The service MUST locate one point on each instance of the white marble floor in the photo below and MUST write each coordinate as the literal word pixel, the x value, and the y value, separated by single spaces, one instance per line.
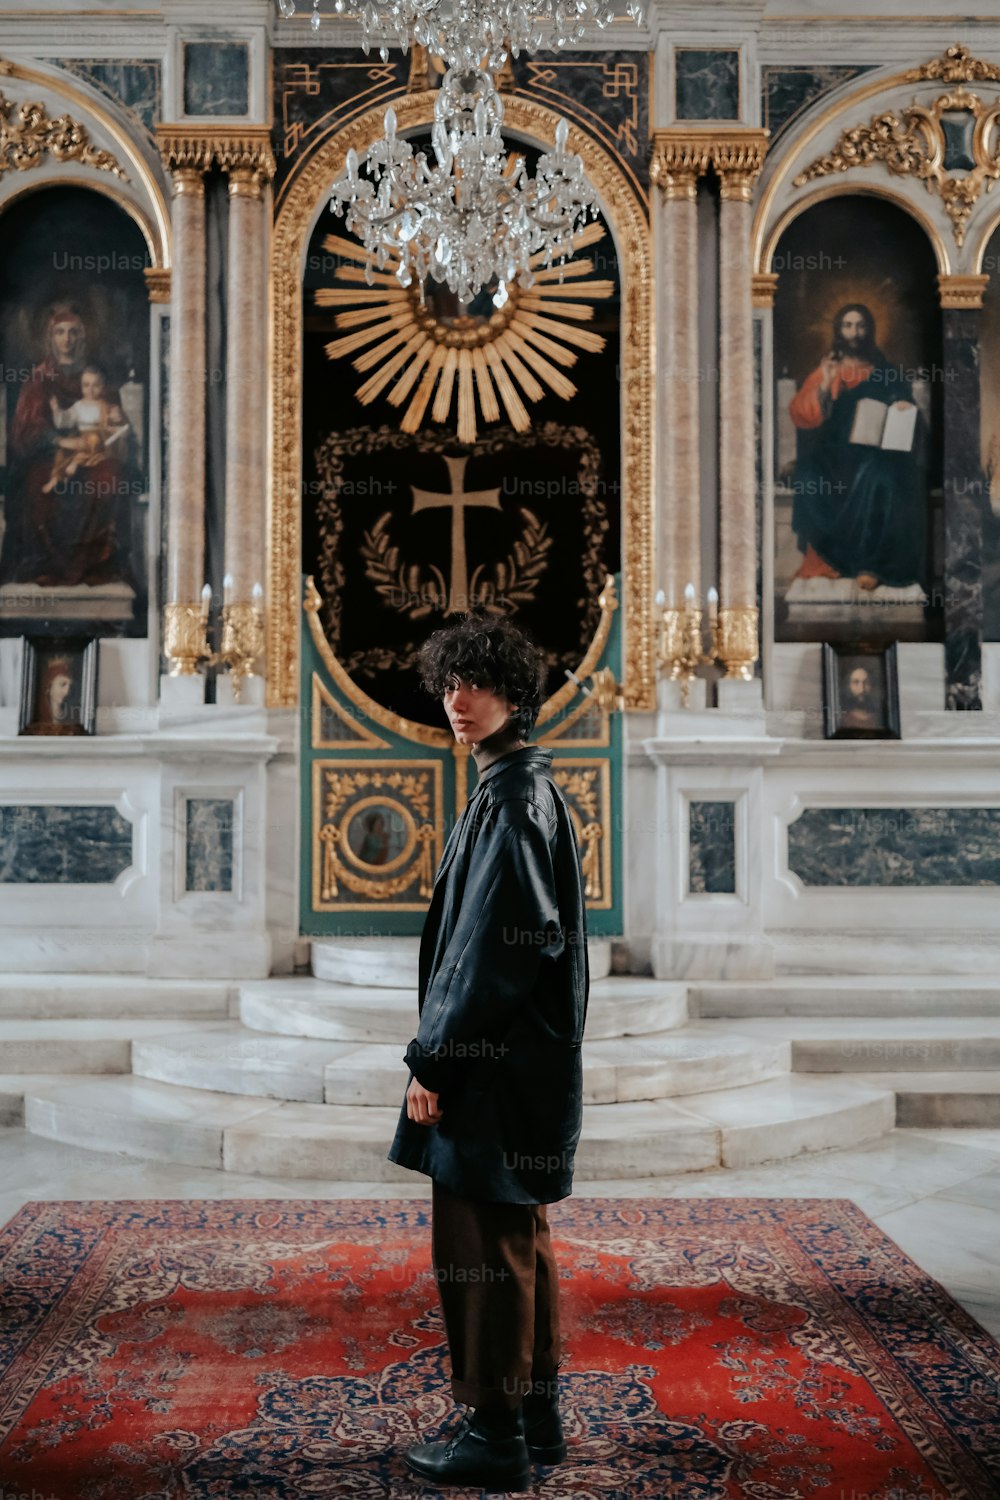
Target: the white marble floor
pixel 936 1193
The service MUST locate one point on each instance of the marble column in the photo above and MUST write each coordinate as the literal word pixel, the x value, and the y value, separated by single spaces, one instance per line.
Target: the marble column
pixel 246 407
pixel 679 158
pixel 737 162
pixel 675 170
pixel 964 491
pixel 186 453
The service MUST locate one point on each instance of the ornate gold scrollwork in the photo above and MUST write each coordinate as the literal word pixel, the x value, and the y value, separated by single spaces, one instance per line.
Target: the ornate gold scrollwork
pixel 32 135
pixel 681 155
pixel 586 784
pixel 956 65
pixel 912 143
pixel 590 863
pixel 412 790
pixel 962 291
pixel 247 149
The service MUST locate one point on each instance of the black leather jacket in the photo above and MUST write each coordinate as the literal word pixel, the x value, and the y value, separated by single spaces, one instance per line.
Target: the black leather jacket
pixel 503 986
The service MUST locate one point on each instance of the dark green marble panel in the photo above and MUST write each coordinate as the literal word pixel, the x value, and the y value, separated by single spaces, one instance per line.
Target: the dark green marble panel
pixel 712 848
pixel 209 843
pixel 75 845
pixel 896 846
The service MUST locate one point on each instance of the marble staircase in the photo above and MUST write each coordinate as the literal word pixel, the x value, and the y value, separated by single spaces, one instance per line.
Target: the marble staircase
pixel 302 1076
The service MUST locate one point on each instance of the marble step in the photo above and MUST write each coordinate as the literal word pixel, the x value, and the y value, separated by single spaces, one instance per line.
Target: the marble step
pixel 870 1044
pixel 391 962
pixel 46 996
pixel 14 1087
pixel 966 1100
pixel 768 1121
pixel 74 1045
pixel 823 995
pixel 228 1058
pixel 620 1005
pixel 135 1117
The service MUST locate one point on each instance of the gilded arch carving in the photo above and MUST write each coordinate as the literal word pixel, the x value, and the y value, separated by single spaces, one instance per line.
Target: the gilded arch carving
pixel 71 137
pixel 303 200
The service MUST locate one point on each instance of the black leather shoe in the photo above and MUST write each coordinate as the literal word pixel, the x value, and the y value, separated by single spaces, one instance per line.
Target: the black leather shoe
pixel 543 1432
pixel 473 1456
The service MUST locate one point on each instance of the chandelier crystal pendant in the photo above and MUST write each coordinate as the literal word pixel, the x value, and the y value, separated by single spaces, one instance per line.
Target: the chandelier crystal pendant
pixel 474 217
pixel 463 32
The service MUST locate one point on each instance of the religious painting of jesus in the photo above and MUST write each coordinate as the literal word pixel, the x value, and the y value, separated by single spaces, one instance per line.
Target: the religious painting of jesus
pixel 72 508
pixel 855 420
pixel 860 691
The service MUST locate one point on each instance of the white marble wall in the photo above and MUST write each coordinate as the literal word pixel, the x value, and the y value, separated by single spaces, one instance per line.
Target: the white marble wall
pixel 146 921
pixel 775 923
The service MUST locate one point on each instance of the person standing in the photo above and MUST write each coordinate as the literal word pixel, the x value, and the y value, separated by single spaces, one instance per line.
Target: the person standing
pixel 493 1109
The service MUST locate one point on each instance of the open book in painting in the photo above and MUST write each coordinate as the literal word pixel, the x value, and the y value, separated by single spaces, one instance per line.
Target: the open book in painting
pixel 878 425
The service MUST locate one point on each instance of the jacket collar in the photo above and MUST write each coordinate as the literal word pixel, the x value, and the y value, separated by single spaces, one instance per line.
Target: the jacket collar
pixel 529 754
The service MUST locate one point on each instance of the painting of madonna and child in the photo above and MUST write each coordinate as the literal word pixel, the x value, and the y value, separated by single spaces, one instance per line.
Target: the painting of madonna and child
pixel 74 348
pixel 857 494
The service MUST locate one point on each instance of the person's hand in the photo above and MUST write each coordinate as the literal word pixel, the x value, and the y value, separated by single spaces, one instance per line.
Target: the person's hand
pixel 829 366
pixel 421 1104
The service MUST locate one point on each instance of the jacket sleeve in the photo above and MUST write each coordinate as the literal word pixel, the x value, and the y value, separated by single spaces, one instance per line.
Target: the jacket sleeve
pixel 509 920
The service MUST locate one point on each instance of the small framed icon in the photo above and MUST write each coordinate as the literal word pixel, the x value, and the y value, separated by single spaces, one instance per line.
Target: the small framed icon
pixel 58 685
pixel 860 691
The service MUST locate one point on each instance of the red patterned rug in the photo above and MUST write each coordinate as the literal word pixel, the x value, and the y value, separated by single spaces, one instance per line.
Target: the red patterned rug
pixel 716 1349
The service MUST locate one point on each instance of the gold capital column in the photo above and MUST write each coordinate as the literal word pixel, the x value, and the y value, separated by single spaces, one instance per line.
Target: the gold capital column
pixel 186 160
pixel 250 164
pixel 738 160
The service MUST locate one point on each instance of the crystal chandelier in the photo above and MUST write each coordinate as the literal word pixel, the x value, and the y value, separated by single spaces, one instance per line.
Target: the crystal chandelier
pixel 474 217
pixel 465 32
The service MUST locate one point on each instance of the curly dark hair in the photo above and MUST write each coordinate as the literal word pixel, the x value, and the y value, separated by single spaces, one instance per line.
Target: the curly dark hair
pixel 492 652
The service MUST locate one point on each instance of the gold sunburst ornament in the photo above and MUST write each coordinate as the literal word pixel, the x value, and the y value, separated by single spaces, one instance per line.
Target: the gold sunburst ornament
pixel 412 351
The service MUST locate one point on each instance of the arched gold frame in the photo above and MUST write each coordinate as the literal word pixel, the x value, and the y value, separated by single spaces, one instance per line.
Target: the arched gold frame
pixel 91 185
pixel 985 230
pixel 155 228
pixel 788 159
pixel 302 203
pixel 855 190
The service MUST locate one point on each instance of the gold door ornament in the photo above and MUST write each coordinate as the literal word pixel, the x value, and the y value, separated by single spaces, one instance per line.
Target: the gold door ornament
pixel 585 782
pixel 355 854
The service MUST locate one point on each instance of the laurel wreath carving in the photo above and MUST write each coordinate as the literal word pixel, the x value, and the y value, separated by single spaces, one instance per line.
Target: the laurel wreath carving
pixel 581 786
pixel 340 785
pixel 515 578
pixel 525 569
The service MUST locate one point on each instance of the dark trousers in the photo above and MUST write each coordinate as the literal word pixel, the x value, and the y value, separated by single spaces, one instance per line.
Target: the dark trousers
pixel 499 1288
